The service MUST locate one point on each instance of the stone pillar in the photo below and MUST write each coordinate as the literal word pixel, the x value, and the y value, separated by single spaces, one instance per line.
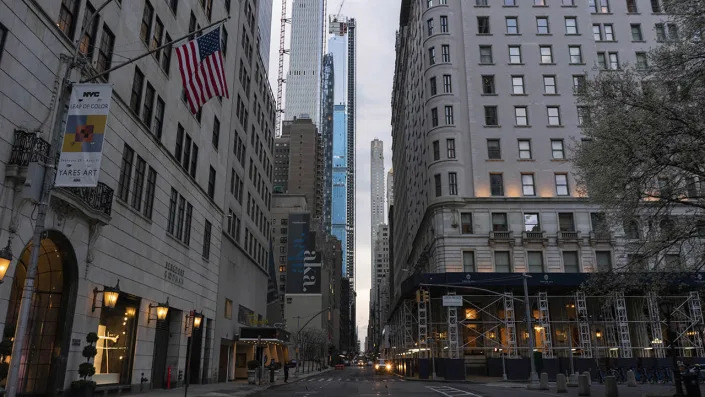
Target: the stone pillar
pixel 584 385
pixel 611 387
pixel 543 381
pixel 561 385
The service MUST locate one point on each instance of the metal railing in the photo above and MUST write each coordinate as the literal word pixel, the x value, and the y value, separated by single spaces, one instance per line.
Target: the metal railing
pixel 27 148
pixel 99 198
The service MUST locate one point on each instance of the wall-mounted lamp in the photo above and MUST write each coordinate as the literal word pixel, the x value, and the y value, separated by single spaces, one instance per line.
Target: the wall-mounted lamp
pixel 5 259
pixel 162 311
pixel 110 296
pixel 195 318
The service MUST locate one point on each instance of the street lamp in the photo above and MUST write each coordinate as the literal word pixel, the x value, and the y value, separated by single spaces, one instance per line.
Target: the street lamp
pixel 110 297
pixel 666 307
pixel 162 311
pixel 5 259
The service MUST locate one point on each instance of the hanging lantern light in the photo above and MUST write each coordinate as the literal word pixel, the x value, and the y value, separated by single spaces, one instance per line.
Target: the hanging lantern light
pixel 5 259
pixel 110 296
pixel 162 311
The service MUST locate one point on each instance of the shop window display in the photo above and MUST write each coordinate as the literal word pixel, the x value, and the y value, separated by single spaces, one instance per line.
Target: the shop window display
pixel 116 342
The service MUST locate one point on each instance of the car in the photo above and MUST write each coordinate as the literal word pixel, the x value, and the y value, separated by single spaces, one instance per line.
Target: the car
pixel 383 367
pixel 347 363
pixel 360 363
pixel 339 367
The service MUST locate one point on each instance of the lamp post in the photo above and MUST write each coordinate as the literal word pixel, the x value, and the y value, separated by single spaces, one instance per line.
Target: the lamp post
pixel 533 376
pixel 5 259
pixel 195 318
pixel 667 310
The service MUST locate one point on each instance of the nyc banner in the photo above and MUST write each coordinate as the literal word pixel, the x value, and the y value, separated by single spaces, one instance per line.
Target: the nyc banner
pixel 82 149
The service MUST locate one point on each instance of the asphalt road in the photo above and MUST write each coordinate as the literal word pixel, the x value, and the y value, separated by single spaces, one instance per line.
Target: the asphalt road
pixel 354 381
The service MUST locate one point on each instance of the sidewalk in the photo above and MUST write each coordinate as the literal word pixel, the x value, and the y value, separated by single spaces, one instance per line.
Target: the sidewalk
pixel 237 388
pixel 597 389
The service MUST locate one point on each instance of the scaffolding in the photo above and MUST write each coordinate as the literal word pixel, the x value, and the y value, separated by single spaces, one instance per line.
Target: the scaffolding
pixel 583 324
pixel 510 325
pixel 545 325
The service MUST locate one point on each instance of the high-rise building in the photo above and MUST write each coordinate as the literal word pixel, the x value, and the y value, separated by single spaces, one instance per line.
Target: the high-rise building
pixel 304 78
pixel 264 24
pixel 179 214
pixel 390 188
pixel 304 162
pixel 376 187
pixel 341 46
pixel 484 110
pixel 326 129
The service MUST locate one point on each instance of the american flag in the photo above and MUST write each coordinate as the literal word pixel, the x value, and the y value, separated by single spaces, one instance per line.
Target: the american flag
pixel 202 69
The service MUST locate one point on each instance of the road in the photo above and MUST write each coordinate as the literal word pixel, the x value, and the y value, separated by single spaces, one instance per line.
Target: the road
pixel 354 381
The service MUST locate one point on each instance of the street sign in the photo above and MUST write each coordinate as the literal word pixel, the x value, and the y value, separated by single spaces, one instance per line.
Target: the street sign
pixel 453 300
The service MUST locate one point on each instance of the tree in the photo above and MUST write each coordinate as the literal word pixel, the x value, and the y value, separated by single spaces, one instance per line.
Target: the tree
pixel 642 158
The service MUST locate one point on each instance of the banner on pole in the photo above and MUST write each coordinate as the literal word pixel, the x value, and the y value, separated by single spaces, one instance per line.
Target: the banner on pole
pixel 303 274
pixel 82 149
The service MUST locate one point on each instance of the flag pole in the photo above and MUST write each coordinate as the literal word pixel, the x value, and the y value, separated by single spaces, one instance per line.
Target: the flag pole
pixel 169 44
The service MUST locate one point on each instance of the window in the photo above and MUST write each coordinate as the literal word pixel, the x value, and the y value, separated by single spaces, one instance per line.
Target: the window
pixel 598 221
pixel 631 230
pixel 609 32
pixel 434 89
pixel 571 25
pixel 488 85
pixel 434 117
pixel 447 84
pixel 436 151
pixel 179 143
pixel 432 56
pixel 138 186
pixel 535 261
pixel 486 54
pixel 211 183
pixel 146 26
pixel 512 25
pixel 524 149
pixel 450 146
pixel 672 29
pixel 67 16
pixel 482 3
pixel 527 185
pixel 452 183
pixel 510 3
pixel 549 85
pixel 562 185
pixel 576 56
pixel 491 115
pixel 636 32
pixel 656 6
pixel 207 240
pixel 483 25
pixel 173 4
pixel 157 38
pixel 579 82
pixel 583 115
pixel 499 222
pixel 429 26
pixel 228 309
pixel 194 160
pixel 494 151
pixel 444 24
pixel 216 133
pixel 660 32
pixel 128 155
pixel 172 211
pixel 566 222
pixel 531 222
pixel 192 25
pixel 614 61
pixel 604 261
pixel 546 52
pixel 514 54
pixel 557 149
pixel 224 41
pixel 468 261
pixel 149 193
pixel 554 117
pixel 570 262
pixel 445 52
pixel 148 104
pixel 599 6
pixel 521 117
pixel 136 95
pixel 496 185
pixel 449 115
pixel 88 39
pixel 105 51
pixel 437 180
pixel 631 6
pixel 158 118
pixel 642 61
pixel 501 262
pixel 542 25
pixel 597 32
pixel 466 223
pixel 540 3
pixel 568 3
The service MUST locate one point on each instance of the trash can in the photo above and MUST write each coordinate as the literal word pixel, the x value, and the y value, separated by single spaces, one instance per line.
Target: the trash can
pixel 692 386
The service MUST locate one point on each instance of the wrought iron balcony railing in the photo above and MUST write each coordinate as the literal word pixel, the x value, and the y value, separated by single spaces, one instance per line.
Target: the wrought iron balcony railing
pixel 99 198
pixel 27 148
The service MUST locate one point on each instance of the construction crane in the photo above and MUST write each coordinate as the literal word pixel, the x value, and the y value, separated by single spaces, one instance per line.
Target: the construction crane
pixel 280 77
pixel 337 16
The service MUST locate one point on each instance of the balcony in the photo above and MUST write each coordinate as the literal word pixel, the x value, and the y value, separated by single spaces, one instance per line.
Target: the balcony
pixel 601 238
pixel 534 238
pixel 93 202
pixel 26 148
pixel 501 238
pixel 566 237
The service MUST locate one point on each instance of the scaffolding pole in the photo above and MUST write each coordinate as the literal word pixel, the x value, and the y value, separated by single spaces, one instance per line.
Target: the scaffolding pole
pixel 625 342
pixel 545 324
pixel 655 325
pixel 453 350
pixel 510 325
pixel 696 318
pixel 583 324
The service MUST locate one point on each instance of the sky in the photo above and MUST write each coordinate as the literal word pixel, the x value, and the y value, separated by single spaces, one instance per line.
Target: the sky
pixel 377 22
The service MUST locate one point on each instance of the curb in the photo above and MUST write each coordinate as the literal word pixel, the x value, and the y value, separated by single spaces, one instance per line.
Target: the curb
pixel 408 378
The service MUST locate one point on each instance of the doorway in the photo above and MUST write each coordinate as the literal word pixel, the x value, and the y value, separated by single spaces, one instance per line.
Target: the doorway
pixel 161 348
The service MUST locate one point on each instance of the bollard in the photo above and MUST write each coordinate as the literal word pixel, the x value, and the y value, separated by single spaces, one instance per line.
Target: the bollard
pixel 543 381
pixel 589 377
pixel 561 386
pixel 573 380
pixel 631 379
pixel 583 385
pixel 611 387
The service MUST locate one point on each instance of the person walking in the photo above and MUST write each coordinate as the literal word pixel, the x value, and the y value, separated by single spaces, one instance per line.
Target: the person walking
pixel 286 372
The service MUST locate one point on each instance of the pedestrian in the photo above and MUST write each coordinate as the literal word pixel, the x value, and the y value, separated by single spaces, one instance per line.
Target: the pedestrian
pixel 286 372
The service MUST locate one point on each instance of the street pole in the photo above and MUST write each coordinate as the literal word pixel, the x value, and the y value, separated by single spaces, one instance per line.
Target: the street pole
pixel 533 376
pixel 674 357
pixel 188 360
pixel 433 360
pixel 504 366
pixel 570 339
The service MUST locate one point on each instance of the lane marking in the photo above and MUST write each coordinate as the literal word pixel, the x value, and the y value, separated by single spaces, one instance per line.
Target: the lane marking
pixel 451 392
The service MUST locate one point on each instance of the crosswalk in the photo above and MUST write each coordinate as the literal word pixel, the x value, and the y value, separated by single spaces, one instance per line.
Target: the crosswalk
pixel 451 391
pixel 335 379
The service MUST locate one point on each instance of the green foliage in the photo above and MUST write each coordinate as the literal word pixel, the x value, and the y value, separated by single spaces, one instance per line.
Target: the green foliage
pixel 89 351
pixel 85 370
pixel 91 337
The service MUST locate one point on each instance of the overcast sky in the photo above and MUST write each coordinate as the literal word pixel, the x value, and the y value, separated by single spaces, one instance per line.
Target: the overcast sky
pixel 377 22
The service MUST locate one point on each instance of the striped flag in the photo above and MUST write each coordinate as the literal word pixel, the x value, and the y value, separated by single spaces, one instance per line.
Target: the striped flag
pixel 202 69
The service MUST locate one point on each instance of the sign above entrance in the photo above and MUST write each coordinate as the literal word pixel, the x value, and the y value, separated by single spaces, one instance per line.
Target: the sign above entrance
pixel 453 300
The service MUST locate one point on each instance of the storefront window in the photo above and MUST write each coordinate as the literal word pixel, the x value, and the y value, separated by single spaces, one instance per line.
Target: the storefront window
pixel 116 342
